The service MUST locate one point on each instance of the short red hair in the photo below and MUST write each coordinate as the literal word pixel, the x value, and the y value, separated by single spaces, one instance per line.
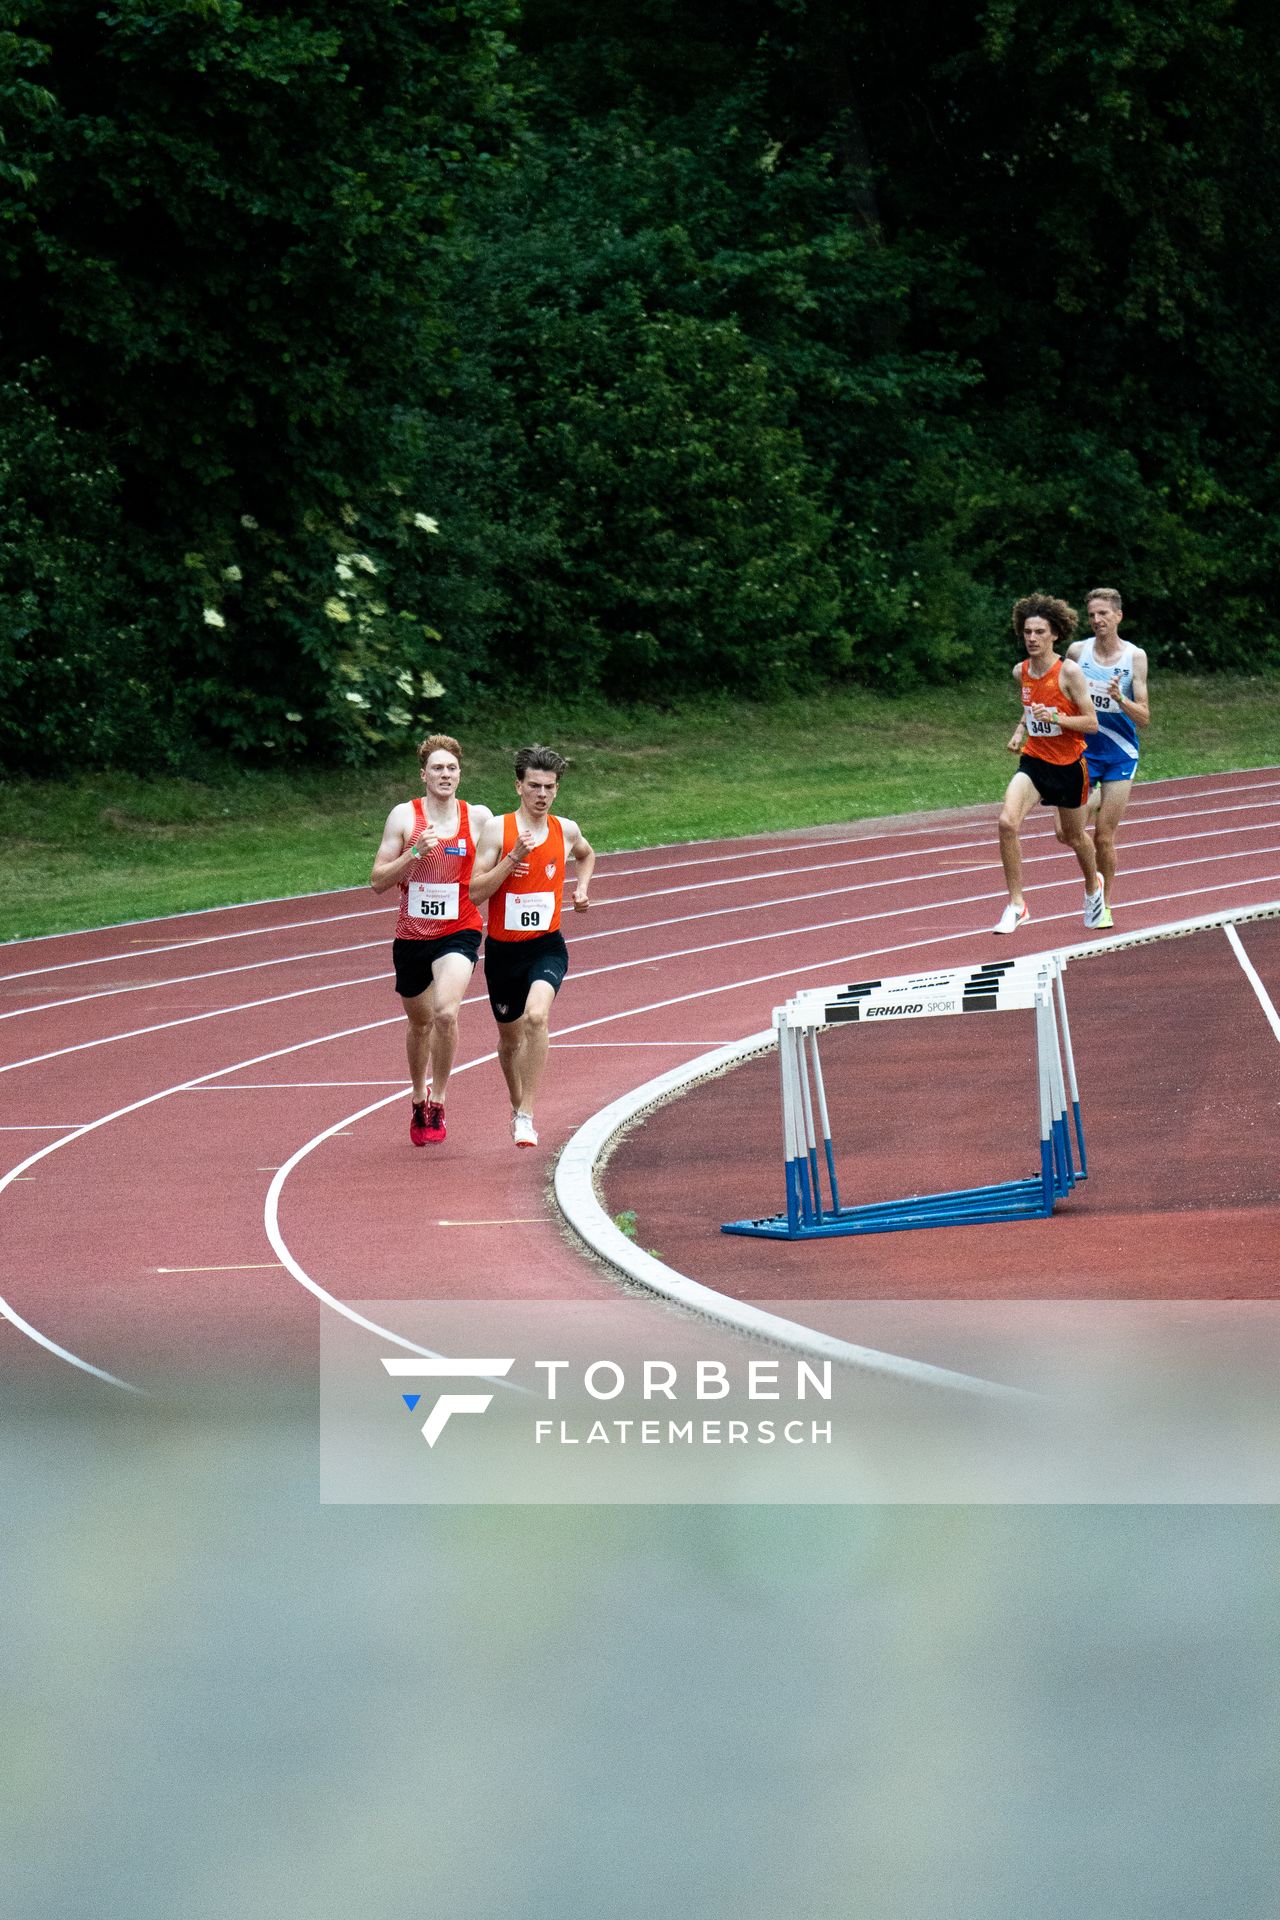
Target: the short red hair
pixel 434 743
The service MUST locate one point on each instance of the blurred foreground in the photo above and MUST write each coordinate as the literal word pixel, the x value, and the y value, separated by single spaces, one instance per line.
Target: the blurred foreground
pixel 223 1700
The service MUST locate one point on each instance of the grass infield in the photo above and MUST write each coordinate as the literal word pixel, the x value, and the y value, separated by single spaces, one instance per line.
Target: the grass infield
pixel 101 848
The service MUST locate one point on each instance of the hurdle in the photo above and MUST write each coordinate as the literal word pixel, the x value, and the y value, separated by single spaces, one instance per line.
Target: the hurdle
pixel 813 1208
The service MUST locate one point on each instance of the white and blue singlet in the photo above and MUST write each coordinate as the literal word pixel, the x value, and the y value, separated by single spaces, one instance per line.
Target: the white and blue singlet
pixel 1112 752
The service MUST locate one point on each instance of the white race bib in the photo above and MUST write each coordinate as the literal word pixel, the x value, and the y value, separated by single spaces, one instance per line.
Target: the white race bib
pixel 428 901
pixel 528 912
pixel 1042 729
pixel 1103 703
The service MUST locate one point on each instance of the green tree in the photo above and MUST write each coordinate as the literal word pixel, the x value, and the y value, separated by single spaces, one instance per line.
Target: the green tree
pixel 222 241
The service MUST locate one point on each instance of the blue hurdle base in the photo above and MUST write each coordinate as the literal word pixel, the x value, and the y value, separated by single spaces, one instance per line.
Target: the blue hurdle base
pixel 1031 1199
pixel 1011 1200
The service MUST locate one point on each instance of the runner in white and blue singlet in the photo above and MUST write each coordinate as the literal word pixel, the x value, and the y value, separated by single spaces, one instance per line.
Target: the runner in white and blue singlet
pixel 1112 752
pixel 1116 675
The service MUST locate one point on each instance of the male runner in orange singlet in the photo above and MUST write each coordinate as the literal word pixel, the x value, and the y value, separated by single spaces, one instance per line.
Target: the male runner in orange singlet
pixel 428 850
pixel 519 870
pixel 1057 713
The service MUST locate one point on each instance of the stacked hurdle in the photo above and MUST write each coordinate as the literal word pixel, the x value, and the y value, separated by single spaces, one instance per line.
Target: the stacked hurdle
pixel 813 1206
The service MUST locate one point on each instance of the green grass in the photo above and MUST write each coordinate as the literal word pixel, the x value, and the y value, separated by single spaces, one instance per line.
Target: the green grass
pixel 101 848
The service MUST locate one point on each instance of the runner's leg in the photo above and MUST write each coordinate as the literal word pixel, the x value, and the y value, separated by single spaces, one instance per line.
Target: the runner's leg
pixel 1071 820
pixel 1020 797
pixel 417 1042
pixel 535 1040
pixel 1114 800
pixel 510 1034
pixel 450 977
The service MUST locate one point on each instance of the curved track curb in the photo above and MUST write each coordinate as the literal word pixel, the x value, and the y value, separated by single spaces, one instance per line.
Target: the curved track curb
pixel 576 1196
pixel 578 1201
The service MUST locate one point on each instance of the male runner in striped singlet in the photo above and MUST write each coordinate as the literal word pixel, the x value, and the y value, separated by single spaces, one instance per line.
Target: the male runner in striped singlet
pixel 1117 675
pixel 428 849
pixel 1056 715
pixel 519 870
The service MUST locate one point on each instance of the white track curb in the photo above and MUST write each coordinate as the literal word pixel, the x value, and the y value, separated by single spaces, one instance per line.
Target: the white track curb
pixel 578 1201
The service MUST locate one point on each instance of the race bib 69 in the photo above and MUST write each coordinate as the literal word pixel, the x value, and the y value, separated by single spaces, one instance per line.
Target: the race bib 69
pixel 528 912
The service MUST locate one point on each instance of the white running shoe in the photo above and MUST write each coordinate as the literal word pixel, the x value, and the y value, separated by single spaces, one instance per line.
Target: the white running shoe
pixel 523 1131
pixel 1095 905
pixel 1012 918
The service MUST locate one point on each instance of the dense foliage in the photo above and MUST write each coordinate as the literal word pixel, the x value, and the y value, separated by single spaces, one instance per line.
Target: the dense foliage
pixel 357 350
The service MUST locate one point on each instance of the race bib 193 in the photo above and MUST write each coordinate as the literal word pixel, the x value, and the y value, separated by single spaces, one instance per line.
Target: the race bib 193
pixel 429 902
pixel 528 912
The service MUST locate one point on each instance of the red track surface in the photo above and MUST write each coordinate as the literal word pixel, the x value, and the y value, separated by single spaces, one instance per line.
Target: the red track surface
pixel 204 1052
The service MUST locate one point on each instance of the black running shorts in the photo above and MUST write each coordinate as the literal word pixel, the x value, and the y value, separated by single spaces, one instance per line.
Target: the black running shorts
pixel 512 966
pixel 413 959
pixel 1057 786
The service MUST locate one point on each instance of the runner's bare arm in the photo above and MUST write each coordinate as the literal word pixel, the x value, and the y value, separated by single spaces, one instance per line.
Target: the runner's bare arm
pixel 1137 706
pixel 1014 743
pixel 396 850
pixel 583 854
pixel 491 867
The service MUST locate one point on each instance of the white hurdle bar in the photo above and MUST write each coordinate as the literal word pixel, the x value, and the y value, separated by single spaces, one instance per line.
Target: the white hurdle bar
pixel 1034 982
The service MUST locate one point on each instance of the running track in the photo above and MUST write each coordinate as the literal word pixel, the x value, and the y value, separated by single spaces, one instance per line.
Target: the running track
pixel 203 1120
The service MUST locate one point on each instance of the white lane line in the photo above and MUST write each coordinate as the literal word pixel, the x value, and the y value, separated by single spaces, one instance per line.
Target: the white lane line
pixel 184 946
pixel 11 1314
pixel 43 1126
pixel 187 979
pixel 187 913
pixel 575 1188
pixel 237 1266
pixel 520 1220
pixel 841 962
pixel 192 1019
pixel 271 1208
pixel 1216 834
pixel 1251 975
pixel 682 953
pixel 62 1353
pixel 298 1086
pixel 769 848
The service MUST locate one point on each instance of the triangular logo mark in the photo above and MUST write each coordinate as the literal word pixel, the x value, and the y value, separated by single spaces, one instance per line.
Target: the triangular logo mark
pixel 411 1400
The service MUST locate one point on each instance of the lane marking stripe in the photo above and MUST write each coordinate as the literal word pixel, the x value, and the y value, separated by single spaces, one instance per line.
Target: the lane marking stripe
pixel 240 1266
pixel 1251 975
pixel 33 1333
pixel 764 852
pixel 657 959
pixel 1216 834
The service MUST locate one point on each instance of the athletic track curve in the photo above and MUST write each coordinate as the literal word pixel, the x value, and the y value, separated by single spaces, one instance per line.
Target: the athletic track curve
pixel 203 1119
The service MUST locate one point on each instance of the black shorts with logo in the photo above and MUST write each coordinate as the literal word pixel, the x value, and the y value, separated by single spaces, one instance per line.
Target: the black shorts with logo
pixel 1057 786
pixel 512 966
pixel 413 959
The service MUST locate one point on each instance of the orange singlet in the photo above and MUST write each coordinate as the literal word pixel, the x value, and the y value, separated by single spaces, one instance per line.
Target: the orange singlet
pixel 434 900
pixel 529 902
pixel 1045 739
